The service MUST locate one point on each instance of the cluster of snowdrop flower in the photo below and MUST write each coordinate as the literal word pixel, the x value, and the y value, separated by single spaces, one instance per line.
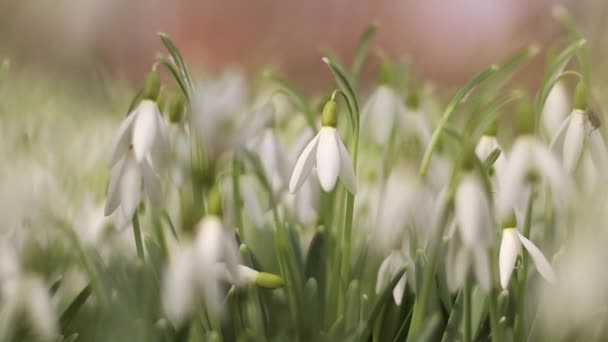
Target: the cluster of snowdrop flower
pixel 241 213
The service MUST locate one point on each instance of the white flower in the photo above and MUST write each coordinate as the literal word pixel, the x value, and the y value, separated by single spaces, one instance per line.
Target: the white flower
pixel 485 146
pixel 327 152
pixel 473 219
pixel 388 268
pixel 530 158
pixel 193 271
pixel 180 144
pixel 126 182
pixel 385 109
pixel 252 210
pixel 576 130
pixel 273 158
pixel 144 132
pixel 510 247
pixel 557 106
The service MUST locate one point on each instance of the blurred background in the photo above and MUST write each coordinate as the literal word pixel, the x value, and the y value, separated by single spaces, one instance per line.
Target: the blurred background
pixel 446 41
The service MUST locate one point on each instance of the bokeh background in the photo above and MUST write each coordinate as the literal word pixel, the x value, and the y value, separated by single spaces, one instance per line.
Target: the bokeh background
pixel 446 41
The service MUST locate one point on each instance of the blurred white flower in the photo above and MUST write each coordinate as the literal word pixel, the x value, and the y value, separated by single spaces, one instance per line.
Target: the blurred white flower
pixel 126 181
pixel 557 106
pixel 576 131
pixel 385 109
pixel 510 247
pixel 327 152
pixel 485 146
pixel 180 144
pixel 252 209
pixel 530 160
pixel 193 270
pixel 469 247
pixel 144 132
pixel 388 269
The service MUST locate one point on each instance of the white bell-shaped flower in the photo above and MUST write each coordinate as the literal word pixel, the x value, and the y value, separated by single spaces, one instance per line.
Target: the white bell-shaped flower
pixel 388 269
pixel 556 108
pixel 510 247
pixel 144 131
pixel 126 182
pixel 381 112
pixel 486 145
pixel 327 152
pixel 576 132
pixel 530 160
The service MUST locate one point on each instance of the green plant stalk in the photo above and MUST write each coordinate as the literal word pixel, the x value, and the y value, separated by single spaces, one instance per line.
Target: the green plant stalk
pixel 236 197
pixel 139 243
pixel 348 220
pixel 523 278
pixel 429 275
pixel 447 114
pixel 495 328
pixel 468 288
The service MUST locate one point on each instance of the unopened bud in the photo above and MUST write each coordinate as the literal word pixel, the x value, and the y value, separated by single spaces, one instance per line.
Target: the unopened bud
pixel 151 86
pixel 330 114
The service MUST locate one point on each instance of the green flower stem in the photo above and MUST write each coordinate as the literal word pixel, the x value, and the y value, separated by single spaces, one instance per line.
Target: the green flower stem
pixel 236 197
pixel 139 243
pixel 495 328
pixel 467 309
pixel 429 273
pixel 523 278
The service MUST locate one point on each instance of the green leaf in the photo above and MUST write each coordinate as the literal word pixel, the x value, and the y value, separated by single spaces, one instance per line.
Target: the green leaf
pixel 70 312
pixel 176 77
pixel 383 298
pixel 491 159
pixel 361 52
pixel 177 58
pixel 453 328
pixel 556 67
pixel 456 100
pixel 316 259
pixel 427 331
pixel 479 312
pixel 353 306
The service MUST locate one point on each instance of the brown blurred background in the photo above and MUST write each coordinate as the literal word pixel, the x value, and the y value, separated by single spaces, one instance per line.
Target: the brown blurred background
pixel 447 41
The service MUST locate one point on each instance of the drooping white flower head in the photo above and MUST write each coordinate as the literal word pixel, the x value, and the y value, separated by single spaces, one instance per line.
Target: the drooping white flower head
pixel 575 132
pixel 510 247
pixel 486 145
pixel 327 152
pixel 472 237
pixel 144 131
pixel 388 269
pixel 557 106
pixel 529 160
pixel 127 179
pixel 253 209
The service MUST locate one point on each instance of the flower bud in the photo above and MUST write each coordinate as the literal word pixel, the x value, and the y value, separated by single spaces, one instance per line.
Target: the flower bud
pixel 330 115
pixel 151 86
pixel 510 221
pixel 176 108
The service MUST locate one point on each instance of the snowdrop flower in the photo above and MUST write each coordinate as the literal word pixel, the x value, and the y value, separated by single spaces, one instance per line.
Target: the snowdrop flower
pixel 272 155
pixel 144 131
pixel 557 106
pixel 327 152
pixel 385 109
pixel 529 161
pixel 388 268
pixel 252 209
pixel 469 247
pixel 510 247
pixel 576 131
pixel 193 270
pixel 127 179
pixel 485 146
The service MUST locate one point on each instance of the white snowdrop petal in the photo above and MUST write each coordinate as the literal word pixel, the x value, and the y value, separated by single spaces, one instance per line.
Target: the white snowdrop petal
pixel 152 185
pixel 347 171
pixel 178 290
pixel 384 276
pixel 573 140
pixel 542 264
pixel 509 249
pixel 303 166
pixel 557 141
pixel 399 289
pixel 113 197
pixel 481 265
pixel 144 129
pixel 597 147
pixel 557 107
pixel 471 210
pixel 328 158
pixel 160 149
pixel 485 146
pixel 40 309
pixel 549 167
pixel 130 187
pixel 123 137
pixel 512 184
pixel 457 266
pixel 382 113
